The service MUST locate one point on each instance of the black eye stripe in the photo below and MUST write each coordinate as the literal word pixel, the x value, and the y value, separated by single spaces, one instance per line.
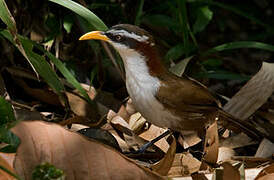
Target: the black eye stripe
pixel 114 37
pixel 129 42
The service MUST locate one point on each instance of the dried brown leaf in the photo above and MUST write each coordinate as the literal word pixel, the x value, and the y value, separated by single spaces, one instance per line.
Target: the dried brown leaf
pixel 80 120
pixel 132 140
pixel 184 164
pixel 190 164
pixel 247 101
pixel 211 146
pixel 163 166
pixel 137 123
pixel 78 157
pixel 225 154
pixel 266 171
pixel 126 111
pixel 199 176
pixel 153 132
pixel 176 168
pixel 6 161
pixel 237 141
pixel 267 177
pixel 189 139
pixel 43 95
pixel 230 172
pixel 83 109
pixel 265 149
pixel 251 161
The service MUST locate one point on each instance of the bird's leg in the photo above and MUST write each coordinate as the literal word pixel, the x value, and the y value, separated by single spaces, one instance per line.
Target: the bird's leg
pixel 150 143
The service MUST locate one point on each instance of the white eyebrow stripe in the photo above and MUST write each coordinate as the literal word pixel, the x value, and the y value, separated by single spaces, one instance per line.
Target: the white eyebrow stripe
pixel 142 38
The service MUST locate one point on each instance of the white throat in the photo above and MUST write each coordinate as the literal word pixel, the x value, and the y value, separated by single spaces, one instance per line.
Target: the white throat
pixel 142 88
pixel 138 79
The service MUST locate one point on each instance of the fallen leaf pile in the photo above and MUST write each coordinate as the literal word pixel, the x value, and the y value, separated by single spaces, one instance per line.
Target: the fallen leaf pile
pixel 104 139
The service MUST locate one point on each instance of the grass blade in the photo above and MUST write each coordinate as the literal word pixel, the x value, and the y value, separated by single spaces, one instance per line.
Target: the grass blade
pixel 96 22
pixel 234 10
pixel 39 63
pixel 7 121
pixel 240 44
pixel 222 75
pixel 67 74
pixel 6 113
pixel 42 67
pixel 6 16
pixel 139 13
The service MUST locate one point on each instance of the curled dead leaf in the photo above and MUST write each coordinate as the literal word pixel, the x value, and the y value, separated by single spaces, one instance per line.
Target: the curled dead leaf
pixel 78 157
pixel 246 101
pixel 269 170
pixel 211 146
pixel 163 166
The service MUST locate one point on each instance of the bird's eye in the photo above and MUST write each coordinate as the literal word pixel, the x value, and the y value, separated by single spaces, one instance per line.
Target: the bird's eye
pixel 118 38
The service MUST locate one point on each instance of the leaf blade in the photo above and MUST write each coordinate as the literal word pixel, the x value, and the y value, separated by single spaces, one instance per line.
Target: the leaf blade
pixel 240 44
pixel 6 16
pixel 95 21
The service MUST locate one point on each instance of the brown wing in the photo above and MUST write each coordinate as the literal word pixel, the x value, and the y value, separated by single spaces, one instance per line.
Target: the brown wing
pixel 188 99
pixel 184 91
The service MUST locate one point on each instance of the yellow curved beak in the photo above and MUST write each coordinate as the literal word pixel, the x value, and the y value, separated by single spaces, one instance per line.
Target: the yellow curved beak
pixel 94 35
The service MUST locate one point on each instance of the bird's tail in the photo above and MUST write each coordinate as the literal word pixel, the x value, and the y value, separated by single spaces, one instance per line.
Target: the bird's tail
pixel 237 125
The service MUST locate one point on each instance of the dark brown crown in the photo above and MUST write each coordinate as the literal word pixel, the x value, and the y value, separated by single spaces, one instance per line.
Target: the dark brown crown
pixel 140 40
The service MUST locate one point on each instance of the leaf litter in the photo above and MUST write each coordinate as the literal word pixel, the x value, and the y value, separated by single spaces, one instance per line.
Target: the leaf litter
pixel 217 157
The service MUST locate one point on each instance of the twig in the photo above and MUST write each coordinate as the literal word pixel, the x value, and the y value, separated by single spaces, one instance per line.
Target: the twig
pixel 109 53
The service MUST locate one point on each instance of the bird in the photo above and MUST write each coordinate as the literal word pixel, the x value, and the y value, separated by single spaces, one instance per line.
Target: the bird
pixel 164 99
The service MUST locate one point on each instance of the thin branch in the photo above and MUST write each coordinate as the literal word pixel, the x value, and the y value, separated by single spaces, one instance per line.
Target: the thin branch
pixel 109 53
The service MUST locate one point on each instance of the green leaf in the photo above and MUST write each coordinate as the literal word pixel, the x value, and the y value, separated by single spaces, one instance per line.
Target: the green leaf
pixel 42 67
pixel 204 16
pixel 241 44
pixel 67 74
pixel 184 27
pixel 39 63
pixel 12 141
pixel 223 75
pixel 234 10
pixel 53 24
pixel 6 113
pixel 139 13
pixel 7 120
pixel 212 62
pixel 96 22
pixel 47 171
pixel 6 16
pixel 45 70
pixel 68 22
pixel 175 52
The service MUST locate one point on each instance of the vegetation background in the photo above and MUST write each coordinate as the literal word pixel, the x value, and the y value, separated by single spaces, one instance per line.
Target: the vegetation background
pixel 223 43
